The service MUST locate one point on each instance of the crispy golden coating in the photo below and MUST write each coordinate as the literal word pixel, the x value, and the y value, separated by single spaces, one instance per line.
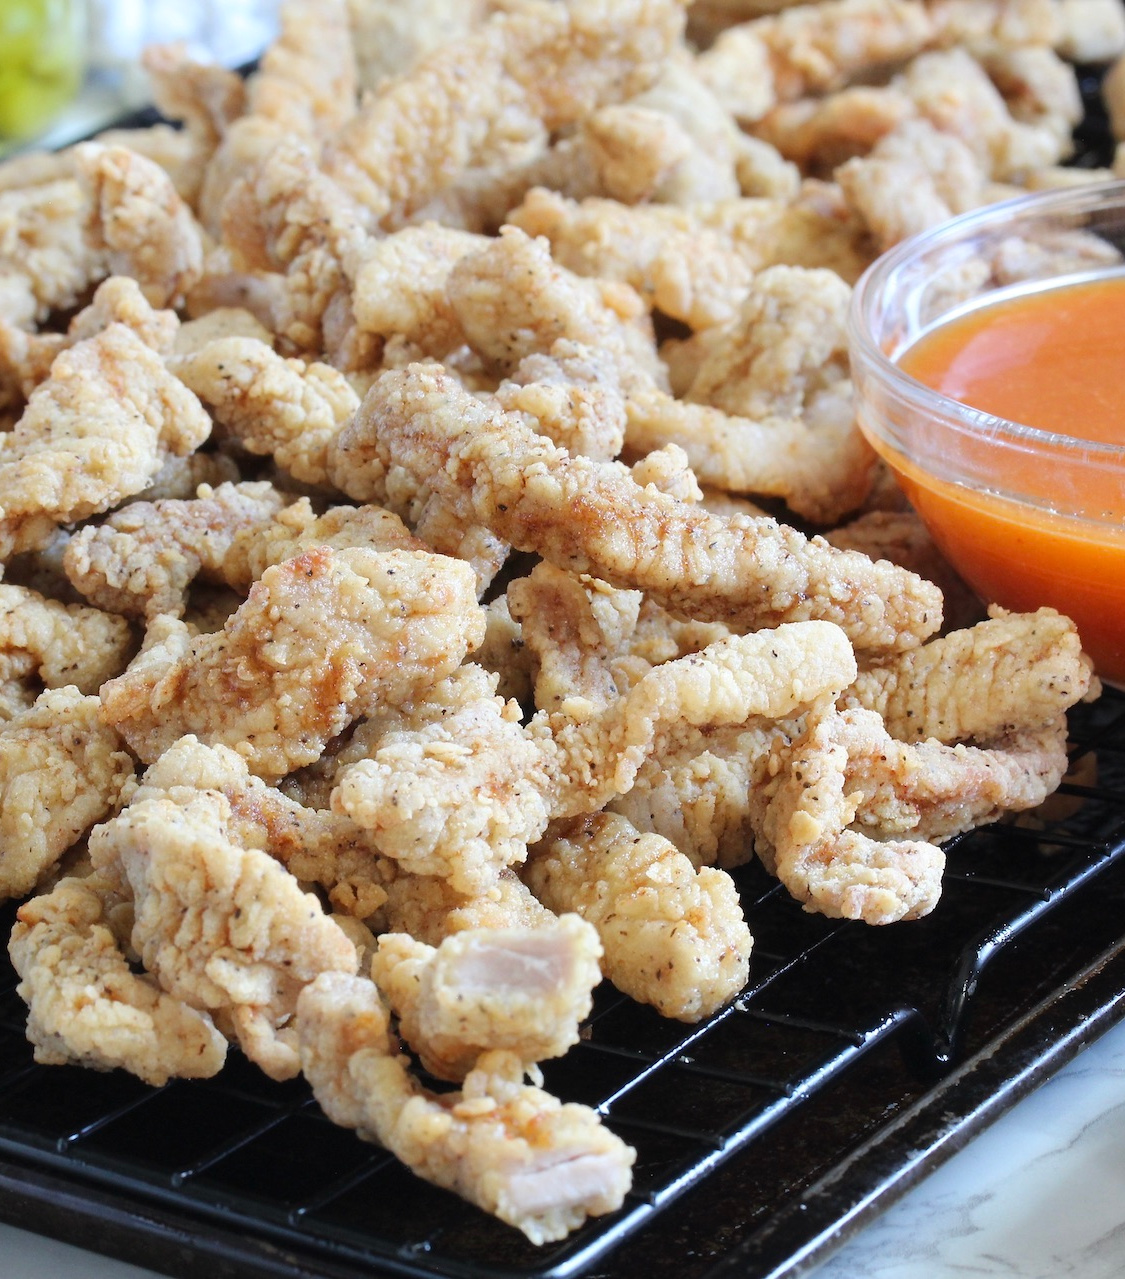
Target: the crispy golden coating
pixel 139 225
pixel 61 770
pixel 695 264
pixel 318 847
pixel 96 432
pixel 460 789
pixel 26 358
pixel 305 87
pixel 523 991
pixel 901 537
pixel 399 289
pixel 142 559
pixel 86 1006
pixel 321 639
pixel 768 409
pixel 913 178
pixel 571 511
pixel 287 409
pixel 522 74
pixel 59 644
pixel 1012 672
pixel 810 49
pixel 510 1148
pixel 844 789
pixel 700 790
pixel 429 909
pixel 457 789
pixel 513 301
pixel 673 936
pixel 571 393
pixel 225 929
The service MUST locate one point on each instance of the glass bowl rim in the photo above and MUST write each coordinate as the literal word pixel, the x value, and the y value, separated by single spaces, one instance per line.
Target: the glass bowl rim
pixel 874 280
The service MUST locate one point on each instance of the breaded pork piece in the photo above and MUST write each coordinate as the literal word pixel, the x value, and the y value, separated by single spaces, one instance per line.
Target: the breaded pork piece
pixel 461 792
pixel 511 1149
pixel 429 909
pixel 95 433
pixel 59 644
pixel 453 786
pixel 810 49
pixel 593 518
pixel 770 410
pixel 1013 672
pixel 322 639
pixel 400 287
pixel 225 929
pixel 852 817
pixel 694 265
pixel 139 226
pixel 26 358
pixel 289 409
pixel 523 991
pixel 390 37
pixel 304 88
pixel 205 97
pixel 61 770
pixel 317 847
pixel 913 178
pixel 520 76
pixel 87 1007
pixel 512 301
pixel 698 790
pixel 673 936
pixel 142 559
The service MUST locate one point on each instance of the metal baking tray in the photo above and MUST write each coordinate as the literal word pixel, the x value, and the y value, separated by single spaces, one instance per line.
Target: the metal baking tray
pixel 855 1060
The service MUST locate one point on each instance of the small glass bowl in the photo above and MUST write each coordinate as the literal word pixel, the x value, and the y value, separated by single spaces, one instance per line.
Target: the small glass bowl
pixel 1028 517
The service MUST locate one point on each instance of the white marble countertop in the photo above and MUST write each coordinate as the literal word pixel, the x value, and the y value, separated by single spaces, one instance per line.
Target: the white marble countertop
pixel 1039 1195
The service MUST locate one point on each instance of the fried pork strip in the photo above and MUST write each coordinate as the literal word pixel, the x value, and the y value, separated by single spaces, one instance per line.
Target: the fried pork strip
pixel 845 788
pixel 59 644
pixel 810 49
pixel 593 518
pixel 522 75
pixel 1012 672
pixel 119 214
pixel 225 929
pixel 288 409
pixel 462 788
pixel 305 88
pixel 769 409
pixel 523 991
pixel 321 639
pixel 142 560
pixel 26 358
pixel 694 265
pixel 86 1006
pixel 318 847
pixel 510 1148
pixel 674 936
pixel 96 432
pixel 61 770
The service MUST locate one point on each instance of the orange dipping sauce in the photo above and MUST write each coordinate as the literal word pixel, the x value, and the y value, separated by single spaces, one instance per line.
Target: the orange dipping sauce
pixel 1043 521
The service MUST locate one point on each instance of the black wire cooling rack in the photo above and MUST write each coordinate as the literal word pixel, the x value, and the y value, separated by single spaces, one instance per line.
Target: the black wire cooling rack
pixel 854 1060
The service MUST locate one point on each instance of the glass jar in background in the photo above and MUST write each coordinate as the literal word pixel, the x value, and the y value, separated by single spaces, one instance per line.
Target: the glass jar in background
pixel 42 60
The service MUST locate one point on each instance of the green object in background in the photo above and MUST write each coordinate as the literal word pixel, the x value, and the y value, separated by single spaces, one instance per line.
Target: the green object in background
pixel 41 61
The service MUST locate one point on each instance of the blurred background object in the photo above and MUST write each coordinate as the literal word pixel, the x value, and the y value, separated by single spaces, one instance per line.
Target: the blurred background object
pixel 228 31
pixel 71 67
pixel 41 61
